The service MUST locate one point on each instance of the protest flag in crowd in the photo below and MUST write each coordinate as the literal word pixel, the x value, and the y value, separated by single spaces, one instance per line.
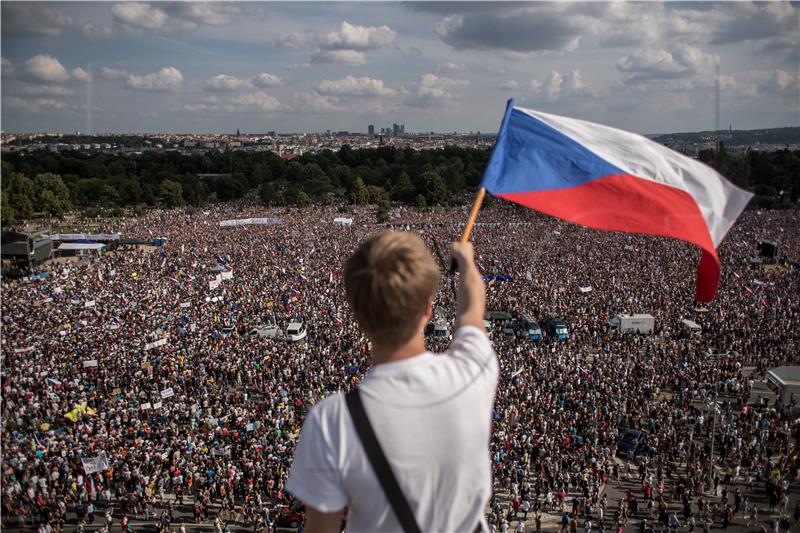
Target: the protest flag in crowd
pixel 610 179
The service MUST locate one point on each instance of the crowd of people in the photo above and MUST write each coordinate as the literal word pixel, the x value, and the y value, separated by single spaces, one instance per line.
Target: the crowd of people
pixel 146 367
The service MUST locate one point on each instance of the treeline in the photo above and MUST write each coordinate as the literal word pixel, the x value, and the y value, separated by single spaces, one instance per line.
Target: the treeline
pixel 774 177
pixel 55 183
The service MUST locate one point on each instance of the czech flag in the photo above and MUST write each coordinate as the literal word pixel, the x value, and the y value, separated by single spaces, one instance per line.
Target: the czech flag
pixel 610 179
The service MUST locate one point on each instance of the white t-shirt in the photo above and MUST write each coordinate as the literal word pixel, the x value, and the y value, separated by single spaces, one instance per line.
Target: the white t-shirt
pixel 432 416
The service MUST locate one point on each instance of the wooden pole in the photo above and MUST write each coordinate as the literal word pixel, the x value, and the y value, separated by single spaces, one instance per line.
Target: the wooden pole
pixel 476 206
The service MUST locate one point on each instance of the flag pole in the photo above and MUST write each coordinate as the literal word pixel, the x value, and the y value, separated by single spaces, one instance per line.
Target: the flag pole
pixel 476 206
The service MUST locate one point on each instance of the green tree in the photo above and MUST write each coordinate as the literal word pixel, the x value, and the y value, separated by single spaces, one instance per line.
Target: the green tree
pixel 7 213
pixel 375 193
pixel 435 189
pixel 403 189
pixel 383 210
pixel 171 193
pixel 421 202
pixel 359 194
pixel 52 195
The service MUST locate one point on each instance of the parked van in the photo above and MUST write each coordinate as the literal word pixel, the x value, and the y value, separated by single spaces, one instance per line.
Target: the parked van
pixel 639 323
pixel 529 328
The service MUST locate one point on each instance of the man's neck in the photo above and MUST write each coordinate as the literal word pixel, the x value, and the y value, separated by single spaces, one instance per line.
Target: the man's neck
pixel 385 354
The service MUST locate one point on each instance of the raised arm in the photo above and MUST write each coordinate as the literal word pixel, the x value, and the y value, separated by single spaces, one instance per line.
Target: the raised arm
pixel 471 291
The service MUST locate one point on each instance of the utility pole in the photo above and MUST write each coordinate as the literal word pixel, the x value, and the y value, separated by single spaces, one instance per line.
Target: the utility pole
pixel 714 405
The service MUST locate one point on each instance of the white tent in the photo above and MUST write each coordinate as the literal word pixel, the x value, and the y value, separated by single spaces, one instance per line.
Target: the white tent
pixel 343 221
pixel 82 246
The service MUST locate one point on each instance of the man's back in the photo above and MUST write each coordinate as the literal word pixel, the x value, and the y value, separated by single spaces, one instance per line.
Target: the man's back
pixel 432 416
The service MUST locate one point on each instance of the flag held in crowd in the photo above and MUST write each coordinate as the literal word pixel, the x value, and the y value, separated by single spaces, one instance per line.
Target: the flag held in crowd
pixel 98 463
pixel 610 179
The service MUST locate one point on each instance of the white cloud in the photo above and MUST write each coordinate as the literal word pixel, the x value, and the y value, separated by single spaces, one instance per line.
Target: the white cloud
pixel 79 74
pixel 139 15
pixel 314 103
pixel 90 30
pixel 554 83
pixel 34 17
pixel 224 82
pixel 352 37
pixel 683 61
pixel 266 80
pixel 344 57
pixel 35 105
pixel 257 99
pixel 206 13
pixel 351 86
pixel 293 39
pixel 111 73
pixel 450 67
pixel 433 90
pixel 535 86
pixel 45 68
pixel 166 79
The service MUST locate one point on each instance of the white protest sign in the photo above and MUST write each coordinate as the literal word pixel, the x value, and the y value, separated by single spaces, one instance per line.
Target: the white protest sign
pixel 155 344
pixel 90 303
pixel 94 464
pixel 167 393
pixel 90 363
pixel 157 405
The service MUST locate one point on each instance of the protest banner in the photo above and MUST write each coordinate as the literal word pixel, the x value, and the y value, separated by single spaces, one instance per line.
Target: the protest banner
pixel 90 363
pixel 167 393
pixel 98 463
pixel 155 344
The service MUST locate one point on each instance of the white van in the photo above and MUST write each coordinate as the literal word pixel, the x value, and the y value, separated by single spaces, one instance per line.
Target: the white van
pixel 296 331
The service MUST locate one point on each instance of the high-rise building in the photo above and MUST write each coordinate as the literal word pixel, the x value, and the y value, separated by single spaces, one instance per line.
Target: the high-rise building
pixel 402 129
pixel 396 129
pixel 371 130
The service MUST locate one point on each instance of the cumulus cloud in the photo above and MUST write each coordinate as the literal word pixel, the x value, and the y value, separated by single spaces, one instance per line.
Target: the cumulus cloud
pixel 351 86
pixel 352 37
pixel 90 30
pixel 643 66
pixel 180 16
pixel 34 17
pixel 293 39
pixel 265 80
pixel 450 67
pixel 554 83
pixel 139 15
pixel 34 105
pixel 433 90
pixel 224 82
pixel 45 68
pixel 111 73
pixel 79 74
pixel 344 57
pixel 258 100
pixel 527 31
pixel 314 103
pixel 166 79
pixel 207 104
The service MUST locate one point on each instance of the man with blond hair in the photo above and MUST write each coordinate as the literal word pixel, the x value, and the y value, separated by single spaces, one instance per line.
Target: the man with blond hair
pixel 408 450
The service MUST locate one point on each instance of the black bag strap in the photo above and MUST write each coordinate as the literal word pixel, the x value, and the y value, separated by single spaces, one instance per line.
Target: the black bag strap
pixel 379 463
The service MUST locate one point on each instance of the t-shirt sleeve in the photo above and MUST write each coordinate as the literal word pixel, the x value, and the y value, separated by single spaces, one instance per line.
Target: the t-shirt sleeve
pixel 314 478
pixel 471 344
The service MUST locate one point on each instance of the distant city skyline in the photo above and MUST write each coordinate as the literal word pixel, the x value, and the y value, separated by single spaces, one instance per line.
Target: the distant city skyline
pixel 436 66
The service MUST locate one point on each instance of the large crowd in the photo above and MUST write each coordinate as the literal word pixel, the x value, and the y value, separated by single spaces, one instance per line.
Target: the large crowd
pixel 132 357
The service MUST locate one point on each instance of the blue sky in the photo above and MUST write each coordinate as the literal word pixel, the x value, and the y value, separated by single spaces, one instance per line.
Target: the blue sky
pixel 217 67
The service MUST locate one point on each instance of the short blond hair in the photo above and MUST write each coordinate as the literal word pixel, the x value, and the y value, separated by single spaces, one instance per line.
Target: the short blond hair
pixel 389 280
